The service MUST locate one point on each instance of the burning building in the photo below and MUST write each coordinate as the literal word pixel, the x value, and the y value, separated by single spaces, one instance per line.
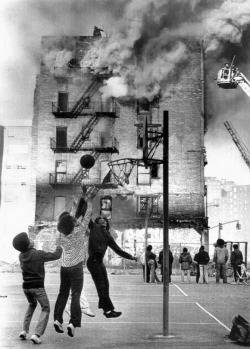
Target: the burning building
pixel 91 97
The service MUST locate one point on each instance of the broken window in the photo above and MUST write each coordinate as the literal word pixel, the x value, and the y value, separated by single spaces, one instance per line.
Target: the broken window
pixel 61 171
pixel 106 207
pixel 153 205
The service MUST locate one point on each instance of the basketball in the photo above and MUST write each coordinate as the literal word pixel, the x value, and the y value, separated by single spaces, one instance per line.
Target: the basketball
pixel 87 161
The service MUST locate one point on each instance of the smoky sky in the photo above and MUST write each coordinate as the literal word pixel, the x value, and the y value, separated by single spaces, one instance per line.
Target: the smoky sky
pixel 148 32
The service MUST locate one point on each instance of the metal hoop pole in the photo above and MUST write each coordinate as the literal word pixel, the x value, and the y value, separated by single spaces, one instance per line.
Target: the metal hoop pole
pixel 146 240
pixel 165 223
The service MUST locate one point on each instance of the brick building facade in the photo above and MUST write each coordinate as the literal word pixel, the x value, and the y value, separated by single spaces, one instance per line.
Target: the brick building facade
pixel 71 119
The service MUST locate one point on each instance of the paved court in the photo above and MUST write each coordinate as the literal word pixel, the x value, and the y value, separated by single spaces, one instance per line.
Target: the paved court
pixel 199 315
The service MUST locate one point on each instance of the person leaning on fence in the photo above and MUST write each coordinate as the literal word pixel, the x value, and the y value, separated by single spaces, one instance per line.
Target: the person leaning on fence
pixel 202 260
pixel 185 260
pixel 73 231
pixel 32 266
pixel 220 259
pixel 236 261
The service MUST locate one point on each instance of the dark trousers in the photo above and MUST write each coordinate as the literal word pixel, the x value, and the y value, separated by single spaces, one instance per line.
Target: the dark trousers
pixel 148 273
pixel 71 279
pixel 100 277
pixel 197 273
pixel 236 268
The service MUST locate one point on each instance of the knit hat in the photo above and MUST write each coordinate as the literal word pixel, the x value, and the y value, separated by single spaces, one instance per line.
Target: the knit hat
pixel 21 242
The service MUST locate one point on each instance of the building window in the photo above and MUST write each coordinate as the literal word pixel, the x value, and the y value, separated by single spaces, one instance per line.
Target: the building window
pixel 61 137
pixel 154 171
pixel 63 98
pixel 139 138
pixel 143 175
pixel 106 207
pixel 61 171
pixel 153 206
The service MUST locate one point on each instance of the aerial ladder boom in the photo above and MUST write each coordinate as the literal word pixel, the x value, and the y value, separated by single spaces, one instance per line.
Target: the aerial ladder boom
pixel 243 82
pixel 239 143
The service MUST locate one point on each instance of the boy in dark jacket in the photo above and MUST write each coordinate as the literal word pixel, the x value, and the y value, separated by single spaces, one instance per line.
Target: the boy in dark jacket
pixel 202 260
pixel 32 265
pixel 236 261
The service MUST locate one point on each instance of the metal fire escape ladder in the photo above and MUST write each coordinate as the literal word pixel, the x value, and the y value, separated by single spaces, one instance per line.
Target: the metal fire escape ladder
pixel 88 93
pixel 92 191
pixel 84 134
pixel 239 143
pixel 79 176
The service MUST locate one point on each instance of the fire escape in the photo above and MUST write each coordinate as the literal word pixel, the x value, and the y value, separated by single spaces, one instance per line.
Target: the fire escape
pixel 96 111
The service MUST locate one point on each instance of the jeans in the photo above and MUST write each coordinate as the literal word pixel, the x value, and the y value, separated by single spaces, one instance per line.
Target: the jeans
pixel 71 279
pixel 221 272
pixel 100 277
pixel 204 273
pixel 33 296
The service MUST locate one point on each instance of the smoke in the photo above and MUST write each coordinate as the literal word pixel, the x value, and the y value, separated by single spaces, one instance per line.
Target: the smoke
pixel 146 39
pixel 114 87
pixel 148 42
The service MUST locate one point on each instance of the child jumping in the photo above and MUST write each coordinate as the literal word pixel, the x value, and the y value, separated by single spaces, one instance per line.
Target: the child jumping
pixel 32 265
pixel 72 227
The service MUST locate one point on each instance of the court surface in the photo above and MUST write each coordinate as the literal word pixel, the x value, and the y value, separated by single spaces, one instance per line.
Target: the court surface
pixel 200 316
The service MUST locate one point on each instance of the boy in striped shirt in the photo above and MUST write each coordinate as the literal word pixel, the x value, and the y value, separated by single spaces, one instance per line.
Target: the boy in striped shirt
pixel 73 238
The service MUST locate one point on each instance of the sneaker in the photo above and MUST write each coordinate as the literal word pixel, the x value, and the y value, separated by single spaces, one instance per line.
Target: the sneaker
pixel 113 313
pixel 35 339
pixel 88 312
pixel 233 283
pixel 58 327
pixel 71 330
pixel 23 335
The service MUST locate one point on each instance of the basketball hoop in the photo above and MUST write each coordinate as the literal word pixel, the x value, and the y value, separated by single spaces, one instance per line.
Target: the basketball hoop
pixel 122 168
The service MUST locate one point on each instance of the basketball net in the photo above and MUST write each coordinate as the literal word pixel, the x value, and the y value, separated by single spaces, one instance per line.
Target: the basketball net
pixel 121 169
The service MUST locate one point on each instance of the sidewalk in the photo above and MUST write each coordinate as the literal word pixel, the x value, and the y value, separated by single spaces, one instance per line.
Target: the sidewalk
pixel 199 315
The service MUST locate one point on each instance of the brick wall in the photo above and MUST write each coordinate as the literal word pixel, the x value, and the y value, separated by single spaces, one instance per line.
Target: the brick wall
pixel 182 99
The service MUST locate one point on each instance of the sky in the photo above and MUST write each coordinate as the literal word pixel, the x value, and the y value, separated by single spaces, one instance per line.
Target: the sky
pixel 150 31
